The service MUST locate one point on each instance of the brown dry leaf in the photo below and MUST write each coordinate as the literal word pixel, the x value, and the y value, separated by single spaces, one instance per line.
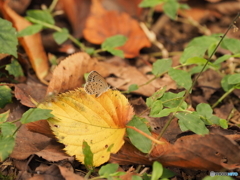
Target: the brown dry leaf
pixel 32 89
pixel 199 13
pixel 200 152
pixel 130 7
pixel 77 12
pixel 32 44
pixel 28 143
pixel 129 75
pixel 209 82
pixel 128 176
pixel 68 75
pixel 69 175
pixel 102 24
pixel 224 111
pixel 41 127
pixel 48 172
pixel 19 6
pixel 225 8
pixel 213 151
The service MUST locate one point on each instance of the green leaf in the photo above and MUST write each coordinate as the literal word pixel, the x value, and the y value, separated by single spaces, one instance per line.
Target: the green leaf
pixel 213 120
pixel 197 69
pixel 197 47
pixel 138 140
pixel 182 126
pixel 5 96
pixel 161 66
pixel 134 177
pixel 116 52
pixel 156 108
pixel 182 78
pixel 158 94
pixel 223 123
pixel 7 144
pixel 114 41
pixel 196 60
pixel 8 128
pixel 167 173
pixel 108 169
pixel 193 123
pixel 30 30
pixel 157 170
pixel 166 112
pixel 184 6
pixel 211 49
pixel 204 110
pixel 145 176
pixel 88 155
pixel 41 15
pixel 170 8
pixel 35 114
pixel 4 116
pixel 90 51
pixel 234 79
pixel 61 36
pixel 231 45
pixel 150 3
pixel 222 59
pixel 117 174
pixel 172 100
pixel 8 38
pixel 132 87
pixel 224 83
pixel 15 69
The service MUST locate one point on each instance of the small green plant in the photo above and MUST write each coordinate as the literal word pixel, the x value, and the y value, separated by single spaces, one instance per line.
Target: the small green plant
pixel 198 54
pixel 8 129
pixel 42 19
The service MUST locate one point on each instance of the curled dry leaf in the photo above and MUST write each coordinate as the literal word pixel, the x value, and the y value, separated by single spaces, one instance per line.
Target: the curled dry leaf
pixel 212 151
pixel 32 44
pixel 102 24
pixel 68 75
pixel 98 121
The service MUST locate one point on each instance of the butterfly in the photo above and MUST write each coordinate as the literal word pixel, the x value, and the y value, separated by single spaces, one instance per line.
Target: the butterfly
pixel 96 84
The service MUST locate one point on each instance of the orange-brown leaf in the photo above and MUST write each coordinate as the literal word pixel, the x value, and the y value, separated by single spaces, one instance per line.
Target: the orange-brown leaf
pixel 32 44
pixel 68 75
pixel 102 24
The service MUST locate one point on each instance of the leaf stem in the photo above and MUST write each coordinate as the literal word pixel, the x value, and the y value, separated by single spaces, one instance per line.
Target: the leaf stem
pixel 223 96
pixel 53 5
pixel 146 135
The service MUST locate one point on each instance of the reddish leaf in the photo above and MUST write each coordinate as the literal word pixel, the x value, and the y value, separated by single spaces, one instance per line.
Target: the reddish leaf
pixel 77 12
pixel 102 24
pixel 193 151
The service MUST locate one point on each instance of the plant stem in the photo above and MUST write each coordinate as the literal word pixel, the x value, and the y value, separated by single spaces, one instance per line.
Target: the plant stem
pixel 58 29
pixel 88 174
pixel 195 80
pixel 53 5
pixel 146 135
pixel 223 96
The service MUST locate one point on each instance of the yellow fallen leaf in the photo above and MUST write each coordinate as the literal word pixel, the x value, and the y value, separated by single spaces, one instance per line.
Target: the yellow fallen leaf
pixel 99 121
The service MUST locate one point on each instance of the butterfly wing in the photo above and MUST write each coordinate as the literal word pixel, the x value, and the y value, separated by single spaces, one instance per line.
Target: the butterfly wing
pixel 95 84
